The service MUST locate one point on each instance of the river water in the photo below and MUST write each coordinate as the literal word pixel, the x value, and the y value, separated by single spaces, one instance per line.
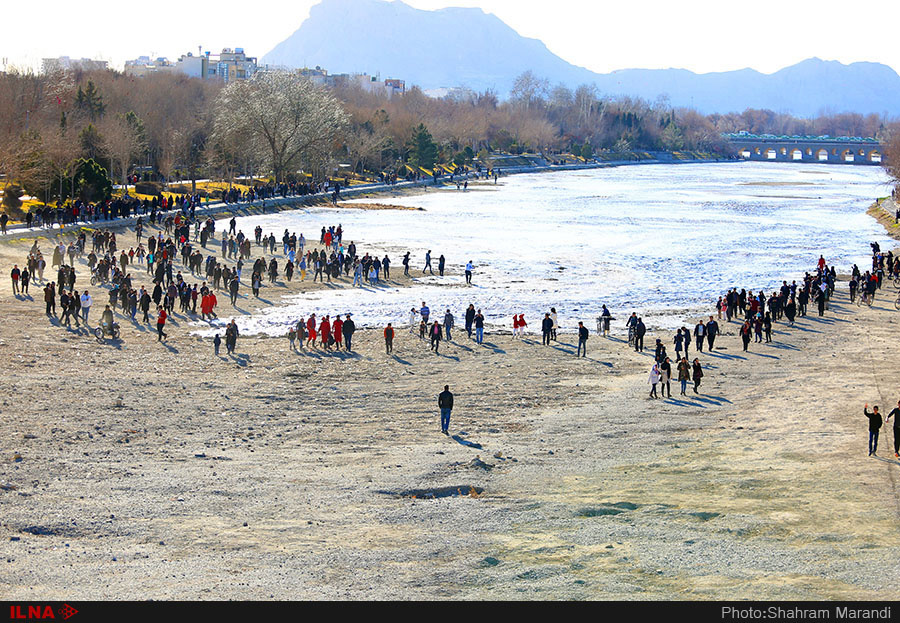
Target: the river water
pixel 662 240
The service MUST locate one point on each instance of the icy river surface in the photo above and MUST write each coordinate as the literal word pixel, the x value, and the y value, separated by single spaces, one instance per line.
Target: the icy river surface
pixel 662 240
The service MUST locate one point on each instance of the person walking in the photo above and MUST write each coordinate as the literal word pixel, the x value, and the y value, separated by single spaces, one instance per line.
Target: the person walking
pixel 583 335
pixel 745 334
pixel 555 320
pixel 15 273
pixel 665 376
pixel 654 380
pixel 436 335
pixel 428 262
pixel 639 331
pixel 712 330
pixel 684 374
pixel 699 334
pixel 698 374
pixel 231 336
pixel 217 342
pixel 86 302
pixel 160 325
pixel 546 328
pixel 605 318
pixel 469 268
pixel 348 329
pixel 470 319
pixel 895 413
pixel 445 404
pixel 448 324
pixel 874 426
pixel 389 338
pixel 479 327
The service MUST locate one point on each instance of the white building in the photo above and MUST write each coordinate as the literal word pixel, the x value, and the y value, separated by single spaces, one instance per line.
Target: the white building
pixel 64 63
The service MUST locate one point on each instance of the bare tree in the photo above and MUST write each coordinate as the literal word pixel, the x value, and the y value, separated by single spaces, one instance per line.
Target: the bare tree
pixel 284 116
pixel 121 142
pixel 529 91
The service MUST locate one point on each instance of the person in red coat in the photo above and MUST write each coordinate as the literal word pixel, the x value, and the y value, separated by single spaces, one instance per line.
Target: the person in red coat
pixel 325 332
pixel 337 328
pixel 311 330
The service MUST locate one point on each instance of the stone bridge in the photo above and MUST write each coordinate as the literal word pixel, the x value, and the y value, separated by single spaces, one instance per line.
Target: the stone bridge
pixel 824 149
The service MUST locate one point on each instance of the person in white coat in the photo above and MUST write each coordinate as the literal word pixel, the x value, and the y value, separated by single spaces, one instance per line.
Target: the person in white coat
pixel 86 302
pixel 654 379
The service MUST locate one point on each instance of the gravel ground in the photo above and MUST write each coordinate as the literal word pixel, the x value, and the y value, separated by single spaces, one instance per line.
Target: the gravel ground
pixel 276 475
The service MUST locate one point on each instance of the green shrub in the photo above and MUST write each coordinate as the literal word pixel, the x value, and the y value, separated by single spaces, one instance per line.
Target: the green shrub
pixel 148 188
pixel 12 196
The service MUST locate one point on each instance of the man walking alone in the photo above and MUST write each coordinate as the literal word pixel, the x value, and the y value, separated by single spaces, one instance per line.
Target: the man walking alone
pixel 445 403
pixel 874 427
pixel 582 340
pixel 895 413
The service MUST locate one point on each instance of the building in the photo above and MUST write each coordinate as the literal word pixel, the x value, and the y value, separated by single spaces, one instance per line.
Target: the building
pixel 143 65
pixel 227 66
pixel 64 63
pixel 367 82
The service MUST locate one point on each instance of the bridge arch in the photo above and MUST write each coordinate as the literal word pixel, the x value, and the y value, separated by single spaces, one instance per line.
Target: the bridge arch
pixel 796 154
pixel 847 155
pixel 873 156
pixel 822 155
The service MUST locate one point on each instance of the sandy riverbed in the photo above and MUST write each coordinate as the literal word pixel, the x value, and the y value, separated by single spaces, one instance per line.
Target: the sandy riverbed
pixel 279 475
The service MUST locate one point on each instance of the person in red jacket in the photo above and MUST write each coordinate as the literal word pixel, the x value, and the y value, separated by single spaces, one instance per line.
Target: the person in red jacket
pixel 389 338
pixel 325 332
pixel 337 328
pixel 311 330
pixel 160 324
pixel 213 301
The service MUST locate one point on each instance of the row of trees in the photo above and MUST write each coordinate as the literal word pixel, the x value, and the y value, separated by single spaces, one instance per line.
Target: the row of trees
pixel 169 126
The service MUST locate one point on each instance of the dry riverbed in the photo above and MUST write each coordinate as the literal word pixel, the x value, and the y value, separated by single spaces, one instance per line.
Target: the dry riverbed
pixel 138 470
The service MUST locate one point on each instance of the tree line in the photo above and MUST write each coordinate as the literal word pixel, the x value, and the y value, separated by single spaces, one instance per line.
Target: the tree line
pixel 60 131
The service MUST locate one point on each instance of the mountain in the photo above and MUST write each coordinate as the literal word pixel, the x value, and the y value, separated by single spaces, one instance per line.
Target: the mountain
pixel 467 47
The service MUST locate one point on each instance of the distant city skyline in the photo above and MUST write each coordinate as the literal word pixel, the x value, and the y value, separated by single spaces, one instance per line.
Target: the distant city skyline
pixel 699 35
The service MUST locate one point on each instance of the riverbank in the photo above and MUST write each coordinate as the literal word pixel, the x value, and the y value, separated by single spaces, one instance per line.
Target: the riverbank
pixel 144 470
pixel 220 209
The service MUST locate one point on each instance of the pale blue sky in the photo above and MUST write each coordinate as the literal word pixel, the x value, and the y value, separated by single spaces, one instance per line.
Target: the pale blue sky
pixel 700 35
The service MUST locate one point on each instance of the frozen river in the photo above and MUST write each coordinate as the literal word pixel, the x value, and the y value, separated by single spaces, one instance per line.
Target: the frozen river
pixel 662 240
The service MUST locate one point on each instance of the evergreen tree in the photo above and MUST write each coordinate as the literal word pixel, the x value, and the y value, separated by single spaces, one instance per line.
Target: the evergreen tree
pixel 423 151
pixel 90 102
pixel 91 181
pixel 91 142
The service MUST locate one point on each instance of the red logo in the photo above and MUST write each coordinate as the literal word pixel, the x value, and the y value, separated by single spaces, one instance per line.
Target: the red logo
pixel 19 612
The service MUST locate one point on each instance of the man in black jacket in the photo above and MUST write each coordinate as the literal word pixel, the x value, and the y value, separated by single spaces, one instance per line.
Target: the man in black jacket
pixel 347 329
pixel 546 328
pixel 582 340
pixel 874 427
pixel 895 413
pixel 639 330
pixel 470 319
pixel 699 334
pixel 445 403
pixel 712 330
